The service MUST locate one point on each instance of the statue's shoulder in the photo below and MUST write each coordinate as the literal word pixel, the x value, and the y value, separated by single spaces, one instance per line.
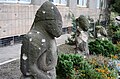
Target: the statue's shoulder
pixel 35 38
pixel 33 35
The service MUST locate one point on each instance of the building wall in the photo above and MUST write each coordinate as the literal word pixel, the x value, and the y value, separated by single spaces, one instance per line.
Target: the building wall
pixel 17 19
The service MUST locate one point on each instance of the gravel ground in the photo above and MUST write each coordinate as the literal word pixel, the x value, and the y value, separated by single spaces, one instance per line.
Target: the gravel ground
pixel 12 70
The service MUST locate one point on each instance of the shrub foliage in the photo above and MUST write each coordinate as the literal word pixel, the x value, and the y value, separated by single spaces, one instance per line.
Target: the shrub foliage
pixel 104 47
pixel 74 66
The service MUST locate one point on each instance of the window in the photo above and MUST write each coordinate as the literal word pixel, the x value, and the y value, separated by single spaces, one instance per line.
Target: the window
pixel 98 3
pixel 101 3
pixel 82 3
pixel 8 1
pixel 24 1
pixel 15 1
pixel 59 1
pixel 104 4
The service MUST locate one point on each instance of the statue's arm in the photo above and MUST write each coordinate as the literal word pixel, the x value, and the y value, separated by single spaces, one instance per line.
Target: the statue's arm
pixel 24 61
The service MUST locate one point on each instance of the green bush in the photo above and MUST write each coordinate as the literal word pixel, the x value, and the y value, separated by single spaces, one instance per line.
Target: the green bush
pixel 114 5
pixel 116 36
pixel 114 27
pixel 100 64
pixel 66 63
pixel 104 47
pixel 74 66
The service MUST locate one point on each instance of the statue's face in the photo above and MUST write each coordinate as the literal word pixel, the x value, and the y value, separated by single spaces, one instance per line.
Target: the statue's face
pixel 54 27
pixel 51 19
pixel 83 23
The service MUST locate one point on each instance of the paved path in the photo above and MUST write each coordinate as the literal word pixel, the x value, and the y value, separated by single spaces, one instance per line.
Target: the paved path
pixel 11 53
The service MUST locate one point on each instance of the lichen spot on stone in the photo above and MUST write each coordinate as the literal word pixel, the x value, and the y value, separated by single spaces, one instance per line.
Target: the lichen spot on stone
pixel 38 32
pixel 24 57
pixel 48 72
pixel 52 7
pixel 39 48
pixel 30 33
pixel 30 39
pixel 43 12
pixel 43 40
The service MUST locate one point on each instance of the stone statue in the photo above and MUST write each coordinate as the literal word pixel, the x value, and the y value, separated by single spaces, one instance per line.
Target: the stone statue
pixel 101 33
pixel 39 50
pixel 81 36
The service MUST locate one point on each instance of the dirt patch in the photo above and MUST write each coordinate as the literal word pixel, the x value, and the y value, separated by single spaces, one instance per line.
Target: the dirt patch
pixel 66 48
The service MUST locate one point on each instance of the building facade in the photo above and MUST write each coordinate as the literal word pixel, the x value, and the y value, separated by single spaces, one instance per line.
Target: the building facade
pixel 16 16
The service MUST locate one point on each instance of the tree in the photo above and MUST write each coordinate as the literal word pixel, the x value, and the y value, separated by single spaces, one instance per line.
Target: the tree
pixel 115 5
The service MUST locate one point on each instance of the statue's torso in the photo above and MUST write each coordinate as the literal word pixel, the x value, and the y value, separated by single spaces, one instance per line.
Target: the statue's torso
pixel 47 54
pixel 41 51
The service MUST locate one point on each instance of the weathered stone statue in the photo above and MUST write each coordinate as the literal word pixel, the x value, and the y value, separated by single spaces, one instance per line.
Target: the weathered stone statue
pixel 39 51
pixel 101 32
pixel 82 35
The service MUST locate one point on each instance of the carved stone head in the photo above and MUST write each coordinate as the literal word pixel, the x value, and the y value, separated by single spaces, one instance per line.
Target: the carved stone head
pixel 83 23
pixel 50 18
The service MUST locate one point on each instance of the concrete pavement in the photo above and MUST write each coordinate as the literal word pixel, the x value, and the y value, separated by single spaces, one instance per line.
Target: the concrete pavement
pixel 9 53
